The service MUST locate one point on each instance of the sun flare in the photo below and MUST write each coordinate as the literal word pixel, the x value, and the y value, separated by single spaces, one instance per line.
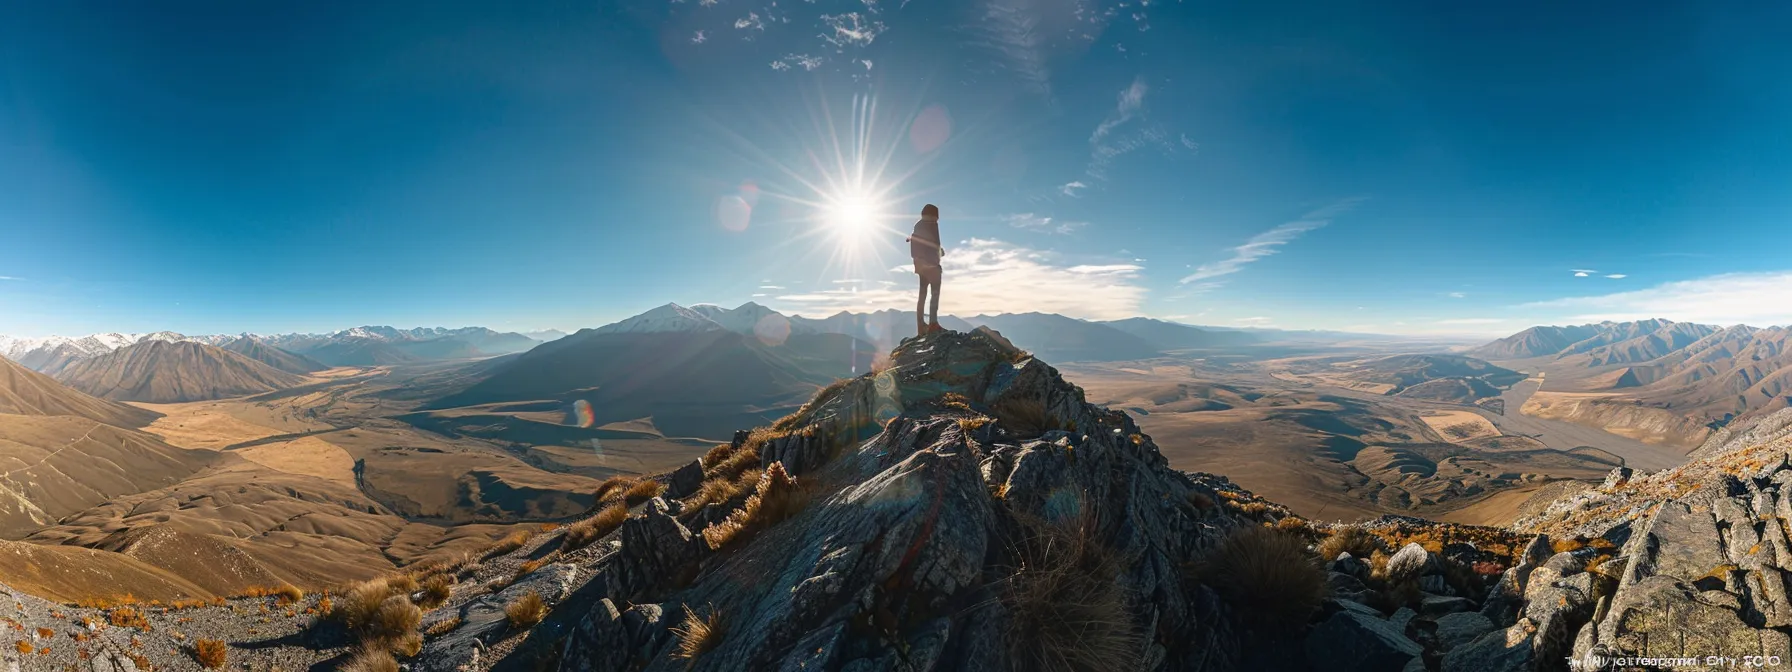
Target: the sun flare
pixel 852 215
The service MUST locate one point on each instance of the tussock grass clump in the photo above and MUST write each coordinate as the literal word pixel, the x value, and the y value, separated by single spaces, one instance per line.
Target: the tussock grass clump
pixel 210 653
pixel 509 544
pixel 379 614
pixel 581 534
pixel 777 497
pixel 643 490
pixel 402 584
pixel 1067 611
pixel 612 489
pixel 1356 541
pixel 288 594
pixel 371 659
pixel 699 634
pixel 526 611
pixel 436 590
pixel 1268 577
pixel 1025 417
pixel 23 647
pixel 717 454
pixel 442 627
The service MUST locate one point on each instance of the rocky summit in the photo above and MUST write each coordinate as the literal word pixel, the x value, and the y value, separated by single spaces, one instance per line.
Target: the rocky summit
pixel 963 507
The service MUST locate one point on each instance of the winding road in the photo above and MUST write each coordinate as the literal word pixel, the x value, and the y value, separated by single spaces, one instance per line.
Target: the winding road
pixel 1563 435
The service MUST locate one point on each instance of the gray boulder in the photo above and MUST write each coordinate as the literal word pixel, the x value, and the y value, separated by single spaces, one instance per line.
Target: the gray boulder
pixel 482 620
pixel 1353 642
pixel 654 546
pixel 1408 563
pixel 1497 651
pixel 1460 628
pixel 685 480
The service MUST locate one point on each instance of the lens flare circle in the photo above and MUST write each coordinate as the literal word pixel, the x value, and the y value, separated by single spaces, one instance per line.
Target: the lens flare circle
pixel 582 415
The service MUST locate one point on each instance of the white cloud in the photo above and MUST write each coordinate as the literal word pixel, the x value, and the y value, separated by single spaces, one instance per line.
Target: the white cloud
pixel 1617 276
pixel 1070 188
pixel 850 30
pixel 1580 274
pixel 1265 244
pixel 1583 272
pixel 758 295
pixel 990 276
pixel 805 61
pixel 771 287
pixel 1457 295
pixel 1032 222
pixel 8 277
pixel 750 21
pixel 1758 299
pixel 699 38
pixel 1131 100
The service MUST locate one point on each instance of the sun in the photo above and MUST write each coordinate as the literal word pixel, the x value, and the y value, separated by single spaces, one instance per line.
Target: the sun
pixel 851 214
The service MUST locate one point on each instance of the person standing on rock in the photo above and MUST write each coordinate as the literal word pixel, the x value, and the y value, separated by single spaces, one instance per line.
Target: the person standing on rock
pixel 924 247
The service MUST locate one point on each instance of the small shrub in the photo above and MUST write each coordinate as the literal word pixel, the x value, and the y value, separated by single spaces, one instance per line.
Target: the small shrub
pixel 643 490
pixel 1268 577
pixel 717 454
pixel 1066 611
pixel 581 534
pixel 393 623
pixel 969 425
pixel 45 633
pixel 126 617
pixel 1356 541
pixel 1292 524
pixel 325 605
pixel 436 591
pixel 699 634
pixel 526 610
pixel 613 488
pixel 210 653
pixel 1200 500
pixel 371 659
pixel 402 584
pixel 359 604
pixel 288 594
pixel 777 497
pixel 23 647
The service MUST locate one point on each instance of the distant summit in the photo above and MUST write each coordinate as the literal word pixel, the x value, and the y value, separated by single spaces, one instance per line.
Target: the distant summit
pixel 166 372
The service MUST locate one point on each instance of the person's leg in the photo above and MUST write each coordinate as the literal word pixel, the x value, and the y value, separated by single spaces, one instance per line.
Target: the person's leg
pixel 920 306
pixel 933 308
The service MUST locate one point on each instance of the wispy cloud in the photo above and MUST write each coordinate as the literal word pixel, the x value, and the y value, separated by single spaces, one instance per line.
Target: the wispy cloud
pixel 1583 272
pixel 1617 276
pixel 990 276
pixel 1011 30
pixel 850 30
pixel 771 287
pixel 1474 320
pixel 1070 188
pixel 8 277
pixel 1032 222
pixel 1131 100
pixel 1457 295
pixel 1265 244
pixel 1758 299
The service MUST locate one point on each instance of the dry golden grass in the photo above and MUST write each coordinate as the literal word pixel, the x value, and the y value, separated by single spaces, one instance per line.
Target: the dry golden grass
pixel 402 584
pixel 526 611
pixel 1025 417
pixel 717 454
pixel 210 653
pixel 777 497
pixel 371 659
pixel 700 634
pixel 45 633
pixel 509 544
pixel 443 627
pixel 1269 578
pixel 288 594
pixel 580 534
pixel 23 647
pixel 436 590
pixel 643 490
pixel 1356 541
pixel 612 489
pixel 1067 611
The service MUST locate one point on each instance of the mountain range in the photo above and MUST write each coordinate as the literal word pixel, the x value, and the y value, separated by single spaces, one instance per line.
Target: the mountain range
pixel 1673 380
pixel 360 346
pixel 173 371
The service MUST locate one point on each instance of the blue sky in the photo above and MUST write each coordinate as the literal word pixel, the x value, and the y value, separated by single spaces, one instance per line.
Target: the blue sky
pixel 1391 167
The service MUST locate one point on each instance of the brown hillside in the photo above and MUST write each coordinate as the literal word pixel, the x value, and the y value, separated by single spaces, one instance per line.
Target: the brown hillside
pixel 165 372
pixel 53 466
pixel 27 392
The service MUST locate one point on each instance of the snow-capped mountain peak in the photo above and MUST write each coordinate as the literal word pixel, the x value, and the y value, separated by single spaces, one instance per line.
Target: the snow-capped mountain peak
pixel 667 318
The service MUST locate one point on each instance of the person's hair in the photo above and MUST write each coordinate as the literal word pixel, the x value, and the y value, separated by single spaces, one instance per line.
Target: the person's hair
pixel 930 210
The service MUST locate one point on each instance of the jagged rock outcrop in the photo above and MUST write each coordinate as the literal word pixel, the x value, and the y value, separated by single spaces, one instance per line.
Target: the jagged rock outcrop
pixel 933 485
